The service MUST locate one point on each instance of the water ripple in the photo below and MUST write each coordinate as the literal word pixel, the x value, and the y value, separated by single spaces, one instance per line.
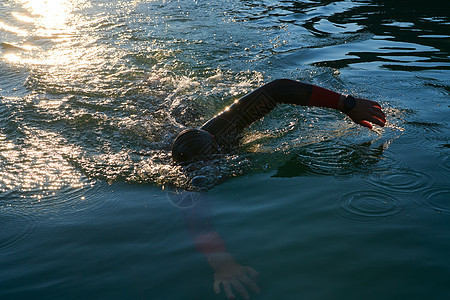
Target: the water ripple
pixel 339 159
pixel 437 199
pixel 17 226
pixel 368 206
pixel 402 181
pixel 445 162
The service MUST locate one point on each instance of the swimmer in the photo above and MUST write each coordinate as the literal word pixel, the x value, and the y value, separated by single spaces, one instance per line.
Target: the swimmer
pixel 221 133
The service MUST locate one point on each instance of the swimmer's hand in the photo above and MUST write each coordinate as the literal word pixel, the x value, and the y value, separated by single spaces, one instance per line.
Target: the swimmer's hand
pixel 232 276
pixel 365 112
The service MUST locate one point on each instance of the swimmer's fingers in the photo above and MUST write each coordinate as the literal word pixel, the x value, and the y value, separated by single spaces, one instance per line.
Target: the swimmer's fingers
pixel 226 288
pixel 217 286
pixel 365 124
pixel 378 113
pixel 374 120
pixel 367 111
pixel 373 103
pixel 377 117
pixel 253 273
pixel 378 121
pixel 238 284
pixel 250 281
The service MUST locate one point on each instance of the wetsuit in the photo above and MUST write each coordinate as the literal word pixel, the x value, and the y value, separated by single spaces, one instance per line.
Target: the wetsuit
pixel 227 126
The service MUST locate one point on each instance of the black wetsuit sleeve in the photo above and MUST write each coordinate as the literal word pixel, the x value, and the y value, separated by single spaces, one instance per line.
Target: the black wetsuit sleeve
pixel 227 126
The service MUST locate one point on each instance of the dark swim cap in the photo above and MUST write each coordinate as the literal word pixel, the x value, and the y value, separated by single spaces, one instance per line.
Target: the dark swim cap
pixel 192 144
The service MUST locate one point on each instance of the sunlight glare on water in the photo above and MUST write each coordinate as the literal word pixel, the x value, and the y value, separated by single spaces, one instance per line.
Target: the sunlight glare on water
pixel 50 17
pixel 52 36
pixel 44 38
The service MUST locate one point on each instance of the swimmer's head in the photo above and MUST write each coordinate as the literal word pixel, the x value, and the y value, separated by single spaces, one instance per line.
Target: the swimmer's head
pixel 192 144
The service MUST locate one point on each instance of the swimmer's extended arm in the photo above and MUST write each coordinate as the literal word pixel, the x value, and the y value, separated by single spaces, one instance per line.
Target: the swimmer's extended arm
pixel 252 107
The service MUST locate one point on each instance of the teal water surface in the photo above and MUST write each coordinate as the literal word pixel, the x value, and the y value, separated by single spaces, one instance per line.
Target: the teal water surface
pixel 92 93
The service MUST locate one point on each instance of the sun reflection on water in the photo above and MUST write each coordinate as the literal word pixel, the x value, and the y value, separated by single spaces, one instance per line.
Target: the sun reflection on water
pixel 37 165
pixel 13 29
pixel 49 16
pixel 42 26
pixel 43 35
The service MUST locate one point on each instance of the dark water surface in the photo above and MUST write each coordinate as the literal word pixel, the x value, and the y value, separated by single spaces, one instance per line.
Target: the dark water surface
pixel 92 92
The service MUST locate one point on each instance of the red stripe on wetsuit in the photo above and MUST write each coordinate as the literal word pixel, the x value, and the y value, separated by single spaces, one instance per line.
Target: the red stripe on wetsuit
pixel 324 98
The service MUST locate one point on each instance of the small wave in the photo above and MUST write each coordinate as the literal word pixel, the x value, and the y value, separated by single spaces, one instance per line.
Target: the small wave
pixel 17 225
pixel 437 198
pixel 322 159
pixel 338 159
pixel 445 162
pixel 367 206
pixel 401 181
pixel 16 47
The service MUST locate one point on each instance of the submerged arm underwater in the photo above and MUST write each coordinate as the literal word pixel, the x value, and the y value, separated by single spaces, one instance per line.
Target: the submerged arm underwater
pixel 228 274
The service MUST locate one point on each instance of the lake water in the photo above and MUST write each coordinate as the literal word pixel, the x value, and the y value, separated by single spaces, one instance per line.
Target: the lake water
pixel 92 92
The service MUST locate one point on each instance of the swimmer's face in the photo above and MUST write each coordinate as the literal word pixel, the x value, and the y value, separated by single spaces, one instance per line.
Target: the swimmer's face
pixel 193 144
